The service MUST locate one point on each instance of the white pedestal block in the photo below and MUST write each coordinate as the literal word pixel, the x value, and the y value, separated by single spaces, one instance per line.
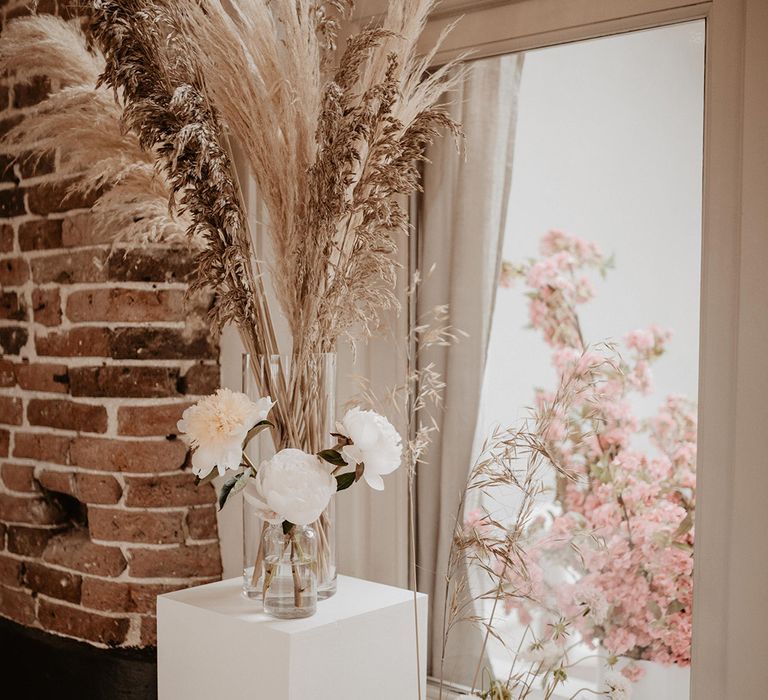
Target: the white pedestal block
pixel 214 643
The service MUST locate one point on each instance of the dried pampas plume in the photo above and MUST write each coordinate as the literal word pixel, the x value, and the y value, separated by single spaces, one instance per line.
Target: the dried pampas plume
pixel 351 131
pixel 83 123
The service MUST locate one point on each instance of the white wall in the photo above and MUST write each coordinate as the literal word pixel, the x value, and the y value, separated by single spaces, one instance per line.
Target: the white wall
pixel 609 147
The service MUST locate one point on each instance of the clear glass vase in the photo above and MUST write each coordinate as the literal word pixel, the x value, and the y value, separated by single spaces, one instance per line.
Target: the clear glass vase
pixel 289 572
pixel 309 391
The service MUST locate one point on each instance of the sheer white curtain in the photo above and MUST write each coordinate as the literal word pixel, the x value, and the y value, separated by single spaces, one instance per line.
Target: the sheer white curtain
pixel 462 227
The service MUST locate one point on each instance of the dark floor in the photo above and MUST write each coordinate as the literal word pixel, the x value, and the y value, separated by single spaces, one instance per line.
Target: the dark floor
pixel 39 666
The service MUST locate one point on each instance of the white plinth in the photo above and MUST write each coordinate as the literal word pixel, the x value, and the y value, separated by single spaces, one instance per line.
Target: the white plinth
pixel 214 643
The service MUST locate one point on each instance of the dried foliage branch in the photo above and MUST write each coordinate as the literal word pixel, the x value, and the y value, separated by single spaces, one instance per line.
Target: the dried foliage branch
pixel 149 61
pixel 82 122
pixel 347 145
pixel 492 548
pixel 415 401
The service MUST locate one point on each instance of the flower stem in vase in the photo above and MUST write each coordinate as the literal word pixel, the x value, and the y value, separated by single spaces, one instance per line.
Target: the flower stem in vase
pixel 297 587
pixel 259 556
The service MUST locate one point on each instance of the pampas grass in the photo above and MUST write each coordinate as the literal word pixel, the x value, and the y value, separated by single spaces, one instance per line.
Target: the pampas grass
pixel 83 123
pixel 332 142
pixel 331 146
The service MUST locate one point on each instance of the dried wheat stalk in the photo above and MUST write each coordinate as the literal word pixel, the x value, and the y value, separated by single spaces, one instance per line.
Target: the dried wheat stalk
pixel 83 123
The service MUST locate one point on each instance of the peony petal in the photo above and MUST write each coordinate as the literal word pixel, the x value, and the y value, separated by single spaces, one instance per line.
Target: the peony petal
pixel 373 480
pixel 202 464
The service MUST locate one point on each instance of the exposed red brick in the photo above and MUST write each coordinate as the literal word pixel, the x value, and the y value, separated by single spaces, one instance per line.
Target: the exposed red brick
pixel 13 272
pixel 78 342
pixel 7 373
pixel 201 523
pixel 10 570
pixel 40 234
pixel 201 380
pixel 67 415
pixel 160 419
pixel 11 200
pixel 44 447
pixel 12 307
pixel 126 382
pixel 74 550
pixel 175 562
pixel 126 305
pixel 136 343
pixel 151 265
pixel 123 596
pixel 97 488
pixel 46 304
pixel 7 124
pixel 166 491
pixel 61 482
pixel 29 541
pixel 18 477
pixel 6 238
pixel 30 93
pixel 120 525
pixel 5 442
pixel 32 510
pixel 128 456
pixel 70 267
pixel 149 631
pixel 54 197
pixel 12 340
pixel 33 165
pixel 37 376
pixel 79 230
pixel 18 605
pixel 82 624
pixel 11 410
pixel 3 530
pixel 7 173
pixel 52 582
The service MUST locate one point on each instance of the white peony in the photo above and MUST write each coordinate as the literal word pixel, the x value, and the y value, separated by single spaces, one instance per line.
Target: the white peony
pixel 617 687
pixel 375 443
pixel 216 427
pixel 293 486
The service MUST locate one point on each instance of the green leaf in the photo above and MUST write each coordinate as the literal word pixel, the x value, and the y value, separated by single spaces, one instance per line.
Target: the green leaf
pixel 232 486
pixel 256 429
pixel 226 488
pixel 287 526
pixel 332 456
pixel 344 481
pixel 242 480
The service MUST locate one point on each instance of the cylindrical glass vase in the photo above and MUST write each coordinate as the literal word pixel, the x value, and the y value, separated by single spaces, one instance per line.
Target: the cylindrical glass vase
pixel 305 397
pixel 289 572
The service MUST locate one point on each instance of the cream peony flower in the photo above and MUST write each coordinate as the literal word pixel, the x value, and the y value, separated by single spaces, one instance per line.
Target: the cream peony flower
pixel 375 443
pixel 216 427
pixel 293 486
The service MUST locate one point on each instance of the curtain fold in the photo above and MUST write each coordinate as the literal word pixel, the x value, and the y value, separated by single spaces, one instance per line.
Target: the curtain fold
pixel 461 233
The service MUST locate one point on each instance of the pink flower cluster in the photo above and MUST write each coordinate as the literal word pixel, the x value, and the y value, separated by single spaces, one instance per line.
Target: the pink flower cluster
pixel 622 532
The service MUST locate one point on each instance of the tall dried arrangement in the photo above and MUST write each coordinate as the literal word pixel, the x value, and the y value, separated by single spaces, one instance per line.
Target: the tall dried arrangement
pixel 83 123
pixel 332 140
pixel 331 143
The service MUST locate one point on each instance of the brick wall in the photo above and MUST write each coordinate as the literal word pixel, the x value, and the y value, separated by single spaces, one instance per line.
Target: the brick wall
pixel 101 352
